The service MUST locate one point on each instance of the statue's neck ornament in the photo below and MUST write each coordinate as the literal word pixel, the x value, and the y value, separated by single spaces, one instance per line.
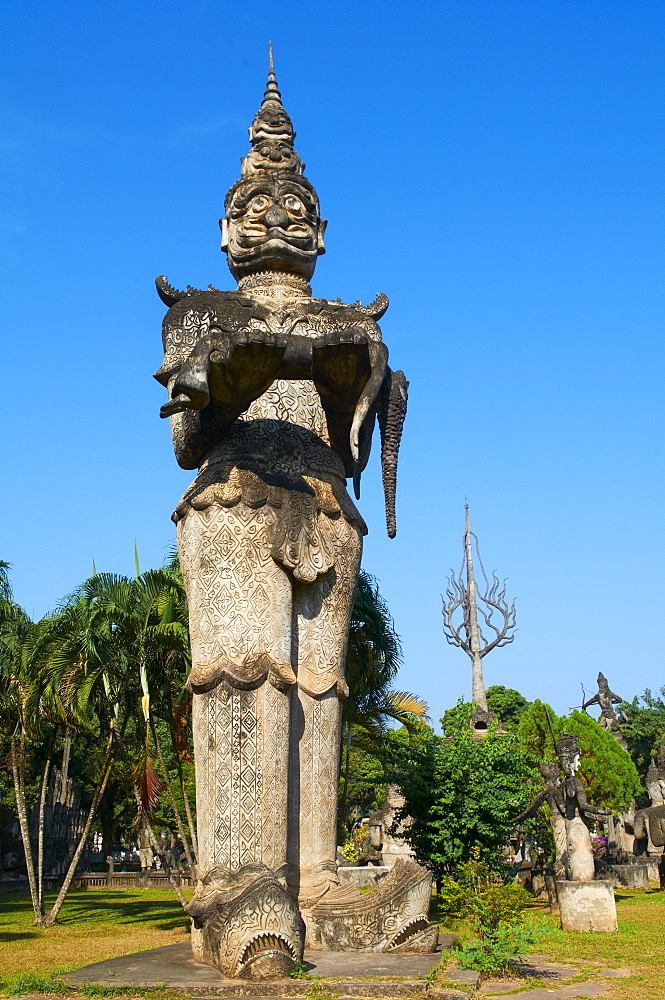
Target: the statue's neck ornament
pixel 275 285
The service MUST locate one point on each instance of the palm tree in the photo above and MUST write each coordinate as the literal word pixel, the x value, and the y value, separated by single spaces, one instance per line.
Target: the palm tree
pixel 373 659
pixel 15 626
pixel 104 652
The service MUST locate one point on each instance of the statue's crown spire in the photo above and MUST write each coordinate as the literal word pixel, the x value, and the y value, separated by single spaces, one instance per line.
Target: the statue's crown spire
pixel 271 133
pixel 272 90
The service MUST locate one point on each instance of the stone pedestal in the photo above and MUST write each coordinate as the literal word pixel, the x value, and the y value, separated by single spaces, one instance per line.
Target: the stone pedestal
pixel 365 877
pixel 587 906
pixel 629 876
pixel 652 863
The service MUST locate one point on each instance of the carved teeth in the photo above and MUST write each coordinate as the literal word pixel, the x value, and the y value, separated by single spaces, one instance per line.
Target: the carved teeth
pixel 266 943
pixel 409 930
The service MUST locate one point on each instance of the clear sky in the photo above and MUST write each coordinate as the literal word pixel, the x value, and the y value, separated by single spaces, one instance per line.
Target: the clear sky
pixel 495 167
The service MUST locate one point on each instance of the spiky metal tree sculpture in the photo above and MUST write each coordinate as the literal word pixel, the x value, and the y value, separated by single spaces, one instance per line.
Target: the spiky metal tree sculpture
pixel 498 617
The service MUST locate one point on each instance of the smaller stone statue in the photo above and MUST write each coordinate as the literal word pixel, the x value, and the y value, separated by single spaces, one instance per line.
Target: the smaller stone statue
pixel 606 700
pixel 583 902
pixel 568 804
pixel 649 824
pixel 145 854
pixel 553 795
pixel 578 841
pixel 386 835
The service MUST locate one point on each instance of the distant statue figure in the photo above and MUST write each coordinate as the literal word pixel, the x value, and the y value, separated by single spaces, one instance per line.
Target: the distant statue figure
pixel 146 856
pixel 606 700
pixel 578 839
pixel 385 835
pixel 649 823
pixel 553 796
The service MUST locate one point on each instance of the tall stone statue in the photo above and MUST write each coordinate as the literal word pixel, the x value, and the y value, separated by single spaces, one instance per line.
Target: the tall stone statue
pixel 273 397
pixel 580 853
pixel 568 805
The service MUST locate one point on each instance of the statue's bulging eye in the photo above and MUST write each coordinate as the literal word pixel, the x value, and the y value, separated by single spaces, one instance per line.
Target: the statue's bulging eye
pixel 292 203
pixel 258 204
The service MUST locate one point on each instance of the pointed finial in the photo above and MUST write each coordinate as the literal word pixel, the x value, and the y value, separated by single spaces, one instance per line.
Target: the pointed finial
pixel 466 517
pixel 272 90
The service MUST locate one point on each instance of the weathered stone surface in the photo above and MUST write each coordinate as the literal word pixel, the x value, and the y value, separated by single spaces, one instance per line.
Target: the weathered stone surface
pixel 468 977
pixel 246 924
pixel 630 876
pixel 273 396
pixel 365 877
pixel 174 966
pixel 394 915
pixel 587 906
pixel 580 853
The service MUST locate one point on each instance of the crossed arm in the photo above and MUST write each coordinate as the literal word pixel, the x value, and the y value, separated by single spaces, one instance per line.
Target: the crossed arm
pixel 226 372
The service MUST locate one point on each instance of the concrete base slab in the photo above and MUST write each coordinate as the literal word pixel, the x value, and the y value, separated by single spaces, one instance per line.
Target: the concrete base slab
pixel 174 966
pixel 587 906
pixel 458 977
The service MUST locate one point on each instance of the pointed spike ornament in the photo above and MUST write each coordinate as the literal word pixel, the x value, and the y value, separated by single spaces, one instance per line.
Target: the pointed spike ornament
pixel 271 86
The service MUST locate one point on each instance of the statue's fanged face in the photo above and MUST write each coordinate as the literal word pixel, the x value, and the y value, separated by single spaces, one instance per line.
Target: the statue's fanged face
pixel 272 224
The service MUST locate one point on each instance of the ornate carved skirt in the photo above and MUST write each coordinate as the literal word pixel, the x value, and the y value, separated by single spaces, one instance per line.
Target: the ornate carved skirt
pixel 268 653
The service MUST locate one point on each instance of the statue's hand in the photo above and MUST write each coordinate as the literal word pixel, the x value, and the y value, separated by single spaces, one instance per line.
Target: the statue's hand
pixel 242 368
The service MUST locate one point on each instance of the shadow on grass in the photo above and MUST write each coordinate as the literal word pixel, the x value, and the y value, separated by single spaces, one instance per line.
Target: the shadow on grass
pixel 17 935
pixel 106 906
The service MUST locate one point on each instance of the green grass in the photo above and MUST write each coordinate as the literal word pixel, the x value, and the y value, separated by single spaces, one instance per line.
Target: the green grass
pixel 637 946
pixel 106 923
pixel 93 925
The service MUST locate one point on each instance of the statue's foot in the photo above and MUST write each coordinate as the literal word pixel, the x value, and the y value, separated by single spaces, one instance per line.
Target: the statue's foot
pixel 246 924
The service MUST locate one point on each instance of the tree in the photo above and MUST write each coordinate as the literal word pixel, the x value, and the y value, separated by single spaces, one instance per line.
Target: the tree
pixel 507 703
pixel 606 769
pixel 461 794
pixel 100 654
pixel 15 719
pixel 644 730
pixel 373 659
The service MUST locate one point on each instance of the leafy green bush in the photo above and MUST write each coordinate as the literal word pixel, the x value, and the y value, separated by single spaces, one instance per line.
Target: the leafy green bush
pixel 462 793
pixel 495 911
pixel 492 955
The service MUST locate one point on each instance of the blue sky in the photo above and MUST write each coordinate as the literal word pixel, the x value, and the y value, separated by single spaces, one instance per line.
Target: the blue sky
pixel 495 167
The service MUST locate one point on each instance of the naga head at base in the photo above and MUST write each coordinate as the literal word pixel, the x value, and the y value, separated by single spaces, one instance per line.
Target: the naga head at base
pixel 393 917
pixel 245 923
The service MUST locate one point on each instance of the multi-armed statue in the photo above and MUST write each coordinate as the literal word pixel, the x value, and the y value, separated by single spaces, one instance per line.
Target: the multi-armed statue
pixel 273 396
